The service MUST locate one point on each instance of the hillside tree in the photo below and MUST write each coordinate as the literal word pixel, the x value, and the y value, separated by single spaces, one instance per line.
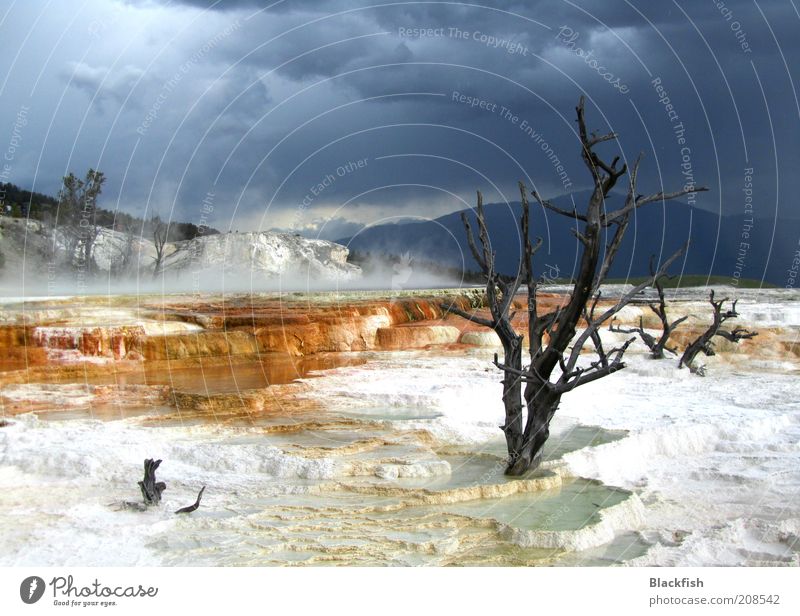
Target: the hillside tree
pixel 78 204
pixel 160 230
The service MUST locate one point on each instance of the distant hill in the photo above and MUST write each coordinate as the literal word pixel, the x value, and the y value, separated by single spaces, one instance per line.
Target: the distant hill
pixel 656 229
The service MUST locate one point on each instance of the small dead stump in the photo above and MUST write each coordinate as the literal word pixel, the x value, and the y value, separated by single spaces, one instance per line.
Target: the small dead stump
pixel 152 489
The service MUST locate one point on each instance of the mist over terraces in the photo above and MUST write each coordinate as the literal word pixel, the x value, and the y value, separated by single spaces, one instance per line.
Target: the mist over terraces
pixel 42 257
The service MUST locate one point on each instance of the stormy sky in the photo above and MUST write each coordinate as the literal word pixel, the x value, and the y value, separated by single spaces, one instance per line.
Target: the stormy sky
pixel 323 116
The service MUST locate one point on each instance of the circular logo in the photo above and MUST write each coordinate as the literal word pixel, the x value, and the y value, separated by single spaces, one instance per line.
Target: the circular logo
pixel 31 589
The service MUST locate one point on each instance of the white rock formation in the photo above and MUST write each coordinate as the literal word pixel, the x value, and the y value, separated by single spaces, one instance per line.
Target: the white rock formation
pixel 486 338
pixel 262 254
pixel 110 248
pixel 265 253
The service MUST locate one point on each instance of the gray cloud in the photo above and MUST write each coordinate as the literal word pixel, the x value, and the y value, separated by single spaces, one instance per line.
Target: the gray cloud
pixel 259 107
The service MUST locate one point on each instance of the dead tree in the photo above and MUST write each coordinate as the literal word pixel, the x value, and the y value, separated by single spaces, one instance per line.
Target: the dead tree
pixel 159 240
pixel 128 252
pixel 78 198
pixel 151 490
pixel 705 342
pixel 528 411
pixel 656 346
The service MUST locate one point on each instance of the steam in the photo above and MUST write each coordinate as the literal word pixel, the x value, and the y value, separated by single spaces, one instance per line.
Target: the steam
pixel 37 266
pixel 377 274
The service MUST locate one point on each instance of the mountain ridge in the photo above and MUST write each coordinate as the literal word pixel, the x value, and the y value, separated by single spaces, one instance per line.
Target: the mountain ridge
pixel 728 245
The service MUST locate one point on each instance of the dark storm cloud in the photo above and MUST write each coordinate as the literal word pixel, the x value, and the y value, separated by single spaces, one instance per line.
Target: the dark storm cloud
pixel 260 106
pixel 103 85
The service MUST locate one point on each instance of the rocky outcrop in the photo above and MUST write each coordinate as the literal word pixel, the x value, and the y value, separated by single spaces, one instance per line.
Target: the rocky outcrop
pixel 417 336
pixel 112 251
pixel 262 254
pixel 43 252
pixel 486 338
pixel 116 251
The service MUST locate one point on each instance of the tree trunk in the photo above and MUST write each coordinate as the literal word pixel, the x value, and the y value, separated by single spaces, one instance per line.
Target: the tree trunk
pixel 151 489
pixel 657 350
pixel 512 396
pixel 527 456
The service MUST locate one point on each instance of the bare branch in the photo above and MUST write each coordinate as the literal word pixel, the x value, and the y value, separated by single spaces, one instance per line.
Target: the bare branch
pixel 619 330
pixel 483 234
pixel 621 303
pixel 550 206
pixel 704 343
pixel 467 315
pixel 580 236
pixel 523 374
pixel 472 247
pixel 737 334
pixel 587 376
pixel 196 504
pixel 595 139
pixel 621 226
pixel 641 200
